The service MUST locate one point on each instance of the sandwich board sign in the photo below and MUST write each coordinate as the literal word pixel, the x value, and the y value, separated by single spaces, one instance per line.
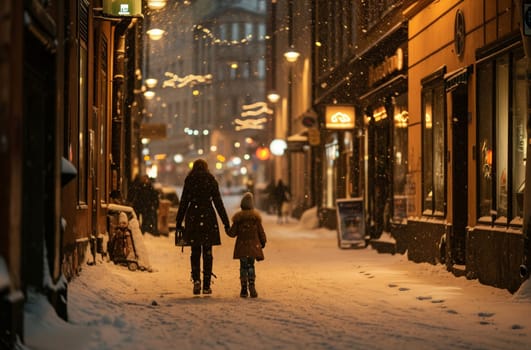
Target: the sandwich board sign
pixel 350 222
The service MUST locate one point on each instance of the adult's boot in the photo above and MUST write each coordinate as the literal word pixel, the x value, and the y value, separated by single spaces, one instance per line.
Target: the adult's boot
pixel 243 292
pixel 252 289
pixel 207 276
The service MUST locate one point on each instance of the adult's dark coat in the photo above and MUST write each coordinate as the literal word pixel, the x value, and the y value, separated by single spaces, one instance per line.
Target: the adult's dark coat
pixel 200 193
pixel 249 232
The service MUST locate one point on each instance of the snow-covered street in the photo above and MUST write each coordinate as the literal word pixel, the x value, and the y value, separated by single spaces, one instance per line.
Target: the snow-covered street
pixel 312 295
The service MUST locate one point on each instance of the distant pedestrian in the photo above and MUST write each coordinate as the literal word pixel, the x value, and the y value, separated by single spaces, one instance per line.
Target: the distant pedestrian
pixel 270 195
pixel 250 184
pixel 282 196
pixel 150 205
pixel 201 230
pixel 145 200
pixel 250 240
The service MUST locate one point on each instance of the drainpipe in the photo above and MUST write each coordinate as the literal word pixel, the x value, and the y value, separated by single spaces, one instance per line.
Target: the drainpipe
pixel 118 103
pixel 526 40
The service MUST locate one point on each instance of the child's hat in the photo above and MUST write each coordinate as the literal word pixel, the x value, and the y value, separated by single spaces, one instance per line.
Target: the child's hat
pixel 247 201
pixel 122 218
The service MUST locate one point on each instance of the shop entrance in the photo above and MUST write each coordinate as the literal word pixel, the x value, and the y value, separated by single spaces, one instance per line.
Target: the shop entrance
pixel 459 115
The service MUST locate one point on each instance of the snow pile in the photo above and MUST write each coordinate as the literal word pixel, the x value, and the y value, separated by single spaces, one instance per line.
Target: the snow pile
pixel 312 296
pixel 309 219
pixel 523 294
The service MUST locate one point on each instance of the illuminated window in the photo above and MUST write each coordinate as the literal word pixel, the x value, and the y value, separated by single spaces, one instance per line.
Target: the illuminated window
pixel 434 145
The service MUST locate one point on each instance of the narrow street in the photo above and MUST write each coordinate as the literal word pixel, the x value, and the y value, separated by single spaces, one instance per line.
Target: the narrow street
pixel 312 295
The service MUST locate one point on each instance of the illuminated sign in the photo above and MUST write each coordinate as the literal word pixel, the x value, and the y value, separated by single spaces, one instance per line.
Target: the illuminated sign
pixel 153 131
pixel 387 67
pixel 123 8
pixel 340 117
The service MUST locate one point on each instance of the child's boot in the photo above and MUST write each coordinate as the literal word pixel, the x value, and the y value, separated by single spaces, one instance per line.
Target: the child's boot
pixel 243 292
pixel 197 287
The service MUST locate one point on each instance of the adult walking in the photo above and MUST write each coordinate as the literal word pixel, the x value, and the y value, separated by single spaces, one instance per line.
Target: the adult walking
pixel 201 230
pixel 282 195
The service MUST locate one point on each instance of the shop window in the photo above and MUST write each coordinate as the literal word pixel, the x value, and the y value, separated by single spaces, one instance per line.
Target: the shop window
pixel 433 147
pixel 400 120
pixel 501 173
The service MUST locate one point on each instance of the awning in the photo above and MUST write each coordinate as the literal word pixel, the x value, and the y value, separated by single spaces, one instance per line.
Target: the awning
pixel 456 78
pixel 297 142
pixel 299 137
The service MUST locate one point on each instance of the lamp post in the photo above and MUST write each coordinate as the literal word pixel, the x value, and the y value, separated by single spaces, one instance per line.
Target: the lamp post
pixel 291 56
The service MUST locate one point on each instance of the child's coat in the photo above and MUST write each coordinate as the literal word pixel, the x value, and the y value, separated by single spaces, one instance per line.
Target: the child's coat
pixel 250 235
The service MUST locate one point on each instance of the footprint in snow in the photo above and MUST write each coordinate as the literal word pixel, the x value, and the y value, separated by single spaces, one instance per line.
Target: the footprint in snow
pixel 517 326
pixel 403 289
pixel 486 314
pixel 437 301
pixel 391 285
pixel 424 298
pixel 453 312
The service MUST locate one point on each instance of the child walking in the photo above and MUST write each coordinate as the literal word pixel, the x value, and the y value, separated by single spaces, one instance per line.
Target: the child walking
pixel 250 240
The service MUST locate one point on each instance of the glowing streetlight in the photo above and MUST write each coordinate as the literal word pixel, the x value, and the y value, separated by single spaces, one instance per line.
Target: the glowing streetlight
pixel 291 55
pixel 151 83
pixel 149 95
pixel 156 4
pixel 278 147
pixel 273 96
pixel 155 33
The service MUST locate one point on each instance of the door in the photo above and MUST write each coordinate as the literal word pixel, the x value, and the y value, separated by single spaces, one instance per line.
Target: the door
pixel 459 174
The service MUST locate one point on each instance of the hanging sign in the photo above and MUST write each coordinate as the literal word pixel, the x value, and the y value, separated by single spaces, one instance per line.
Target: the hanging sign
pixel 340 117
pixel 122 8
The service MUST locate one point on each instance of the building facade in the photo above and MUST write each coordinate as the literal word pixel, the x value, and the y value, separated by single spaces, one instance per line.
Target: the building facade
pixel 468 96
pixel 437 92
pixel 69 115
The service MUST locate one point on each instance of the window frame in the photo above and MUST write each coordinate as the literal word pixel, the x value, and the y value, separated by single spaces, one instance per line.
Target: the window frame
pixel 434 84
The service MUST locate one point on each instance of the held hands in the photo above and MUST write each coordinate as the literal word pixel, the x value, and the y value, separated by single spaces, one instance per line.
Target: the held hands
pixel 263 244
pixel 179 236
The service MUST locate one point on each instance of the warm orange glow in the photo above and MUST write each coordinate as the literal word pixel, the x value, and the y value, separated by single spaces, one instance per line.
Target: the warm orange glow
pixel 489 157
pixel 262 153
pixel 340 117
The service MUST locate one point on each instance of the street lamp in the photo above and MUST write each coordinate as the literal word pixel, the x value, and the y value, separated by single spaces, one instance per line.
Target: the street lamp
pixel 155 33
pixel 273 96
pixel 156 4
pixel 291 55
pixel 151 82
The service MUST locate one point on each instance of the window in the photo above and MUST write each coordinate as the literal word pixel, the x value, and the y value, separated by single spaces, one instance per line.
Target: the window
pixel 82 126
pixel 248 31
pixel 433 145
pixel 501 173
pixel 261 68
pixel 401 118
pixel 261 31
pixel 235 32
pixel 223 32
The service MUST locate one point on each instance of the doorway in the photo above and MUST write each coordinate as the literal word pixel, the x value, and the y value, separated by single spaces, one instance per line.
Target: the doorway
pixel 457 239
